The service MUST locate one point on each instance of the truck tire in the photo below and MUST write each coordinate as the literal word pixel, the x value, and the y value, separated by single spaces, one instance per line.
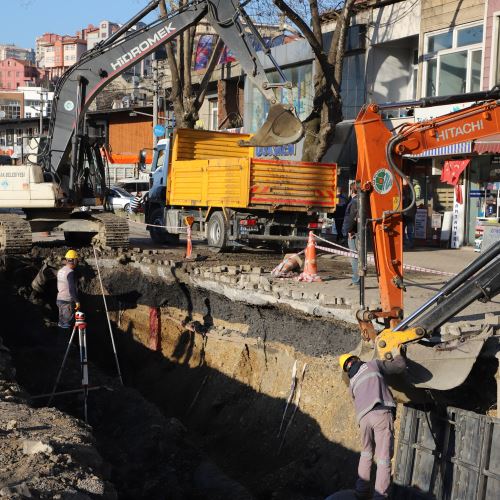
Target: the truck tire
pixel 217 232
pixel 159 234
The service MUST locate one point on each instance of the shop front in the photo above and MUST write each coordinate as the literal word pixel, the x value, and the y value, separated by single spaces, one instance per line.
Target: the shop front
pixel 483 216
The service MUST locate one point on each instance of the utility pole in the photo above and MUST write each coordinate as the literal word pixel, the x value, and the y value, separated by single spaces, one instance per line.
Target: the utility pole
pixel 44 96
pixel 41 112
pixel 155 99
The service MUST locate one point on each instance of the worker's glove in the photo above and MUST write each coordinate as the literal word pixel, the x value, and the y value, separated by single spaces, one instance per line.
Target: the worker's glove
pixel 77 306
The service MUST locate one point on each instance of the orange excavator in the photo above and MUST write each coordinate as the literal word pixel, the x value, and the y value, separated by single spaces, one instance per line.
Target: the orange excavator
pixel 435 361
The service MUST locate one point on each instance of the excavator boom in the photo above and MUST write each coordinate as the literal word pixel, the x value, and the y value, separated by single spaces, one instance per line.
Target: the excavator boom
pixel 380 178
pixel 81 84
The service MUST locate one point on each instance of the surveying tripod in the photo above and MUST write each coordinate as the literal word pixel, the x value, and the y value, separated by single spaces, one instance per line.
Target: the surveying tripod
pixel 81 327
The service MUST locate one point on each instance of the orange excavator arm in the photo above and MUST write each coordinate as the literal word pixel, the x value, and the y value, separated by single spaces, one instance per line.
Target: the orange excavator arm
pixel 379 178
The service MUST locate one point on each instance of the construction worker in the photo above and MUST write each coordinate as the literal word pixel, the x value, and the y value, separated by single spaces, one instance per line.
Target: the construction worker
pixel 375 412
pixel 67 295
pixel 136 202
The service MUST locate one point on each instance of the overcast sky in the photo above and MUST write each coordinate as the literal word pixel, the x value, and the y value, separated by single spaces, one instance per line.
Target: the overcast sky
pixel 24 20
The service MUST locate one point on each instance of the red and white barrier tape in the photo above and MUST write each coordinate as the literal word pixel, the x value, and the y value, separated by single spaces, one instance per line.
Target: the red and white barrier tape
pixel 408 267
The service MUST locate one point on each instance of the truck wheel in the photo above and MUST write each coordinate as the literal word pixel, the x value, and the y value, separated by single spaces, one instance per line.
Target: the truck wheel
pixel 217 232
pixel 160 234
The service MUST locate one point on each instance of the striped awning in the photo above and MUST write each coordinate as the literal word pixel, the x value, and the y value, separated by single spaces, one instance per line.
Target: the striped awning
pixel 490 144
pixel 460 148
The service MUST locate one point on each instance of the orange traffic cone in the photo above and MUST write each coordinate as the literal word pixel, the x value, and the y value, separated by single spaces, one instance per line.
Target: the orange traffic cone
pixel 310 272
pixel 189 244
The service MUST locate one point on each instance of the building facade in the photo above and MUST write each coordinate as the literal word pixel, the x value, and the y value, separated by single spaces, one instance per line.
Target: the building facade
pixel 57 53
pixel 37 100
pixel 8 51
pixel 16 73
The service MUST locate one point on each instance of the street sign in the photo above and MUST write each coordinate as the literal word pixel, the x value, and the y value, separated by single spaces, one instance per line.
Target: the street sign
pixel 159 130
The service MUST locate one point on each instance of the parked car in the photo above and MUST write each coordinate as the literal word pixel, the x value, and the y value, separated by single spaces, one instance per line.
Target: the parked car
pixel 119 198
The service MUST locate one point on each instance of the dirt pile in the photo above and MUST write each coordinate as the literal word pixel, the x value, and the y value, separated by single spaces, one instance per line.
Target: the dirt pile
pixel 43 452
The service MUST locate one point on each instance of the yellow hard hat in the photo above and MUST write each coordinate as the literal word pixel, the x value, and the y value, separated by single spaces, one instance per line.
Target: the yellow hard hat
pixel 344 358
pixel 71 254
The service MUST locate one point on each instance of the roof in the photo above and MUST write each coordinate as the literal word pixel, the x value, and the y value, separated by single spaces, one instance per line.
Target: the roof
pixel 20 61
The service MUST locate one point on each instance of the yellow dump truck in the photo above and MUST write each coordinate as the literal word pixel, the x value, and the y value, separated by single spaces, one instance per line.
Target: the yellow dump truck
pixel 234 197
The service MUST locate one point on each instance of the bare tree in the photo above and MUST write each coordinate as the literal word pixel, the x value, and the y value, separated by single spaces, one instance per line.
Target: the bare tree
pixel 186 102
pixel 327 102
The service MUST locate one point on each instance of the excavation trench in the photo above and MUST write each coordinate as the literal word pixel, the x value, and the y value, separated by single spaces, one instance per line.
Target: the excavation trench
pixel 201 413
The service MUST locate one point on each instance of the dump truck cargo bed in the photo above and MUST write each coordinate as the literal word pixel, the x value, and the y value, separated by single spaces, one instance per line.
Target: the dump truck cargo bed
pixel 212 170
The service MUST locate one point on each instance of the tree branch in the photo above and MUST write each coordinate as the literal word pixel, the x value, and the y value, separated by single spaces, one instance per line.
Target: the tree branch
pixel 315 20
pixel 172 61
pixel 316 44
pixel 339 41
pixel 214 59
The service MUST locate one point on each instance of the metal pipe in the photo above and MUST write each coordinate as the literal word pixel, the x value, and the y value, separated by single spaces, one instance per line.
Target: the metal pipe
pixel 144 12
pixel 362 257
pixel 484 285
pixel 454 283
pixel 72 391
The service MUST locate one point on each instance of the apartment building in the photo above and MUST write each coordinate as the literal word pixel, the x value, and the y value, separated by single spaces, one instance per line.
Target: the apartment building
pixel 8 51
pixel 95 34
pixel 57 53
pixel 16 73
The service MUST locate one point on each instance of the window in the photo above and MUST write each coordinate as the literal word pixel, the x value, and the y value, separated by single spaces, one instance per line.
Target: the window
pixel 452 61
pixel 257 107
pixel 11 107
pixel 213 111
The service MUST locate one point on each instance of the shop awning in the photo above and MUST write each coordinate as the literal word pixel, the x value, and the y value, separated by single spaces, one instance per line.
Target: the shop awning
pixel 490 144
pixel 460 148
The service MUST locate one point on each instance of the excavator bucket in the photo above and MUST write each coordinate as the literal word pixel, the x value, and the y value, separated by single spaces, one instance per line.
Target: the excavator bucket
pixel 440 367
pixel 281 127
pixel 446 365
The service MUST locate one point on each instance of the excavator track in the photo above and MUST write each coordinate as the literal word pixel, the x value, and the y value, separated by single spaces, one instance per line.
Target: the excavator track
pixel 15 234
pixel 113 231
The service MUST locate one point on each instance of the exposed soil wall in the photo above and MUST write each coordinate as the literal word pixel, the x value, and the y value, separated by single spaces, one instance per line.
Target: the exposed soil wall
pixel 225 371
pixel 215 393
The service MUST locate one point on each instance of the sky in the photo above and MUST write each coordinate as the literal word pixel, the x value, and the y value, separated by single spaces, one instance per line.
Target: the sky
pixel 24 20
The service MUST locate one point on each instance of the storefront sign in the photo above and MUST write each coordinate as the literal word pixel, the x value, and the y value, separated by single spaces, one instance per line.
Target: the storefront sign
pixel 421 224
pixel 436 221
pixel 458 221
pixel 286 150
pixel 476 193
